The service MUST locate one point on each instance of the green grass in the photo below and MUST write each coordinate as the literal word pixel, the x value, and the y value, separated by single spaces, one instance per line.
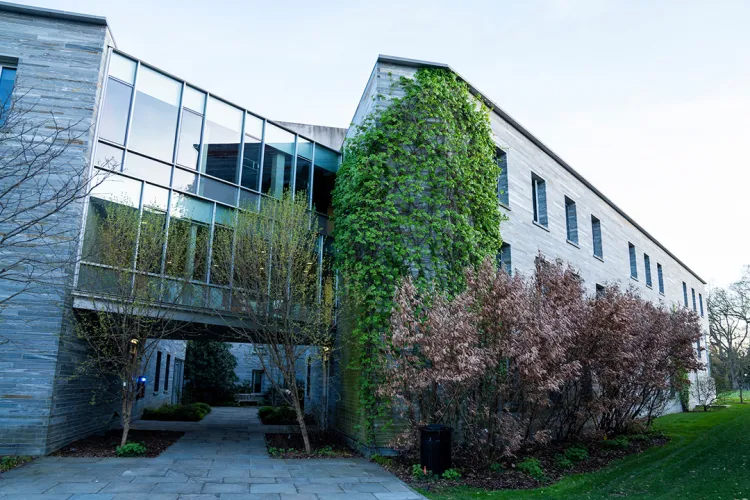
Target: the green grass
pixel 708 457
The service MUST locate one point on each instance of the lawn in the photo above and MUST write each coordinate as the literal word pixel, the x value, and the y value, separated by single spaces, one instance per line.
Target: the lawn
pixel 708 457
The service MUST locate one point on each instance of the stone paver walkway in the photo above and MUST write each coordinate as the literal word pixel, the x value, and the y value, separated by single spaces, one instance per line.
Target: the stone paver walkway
pixel 222 457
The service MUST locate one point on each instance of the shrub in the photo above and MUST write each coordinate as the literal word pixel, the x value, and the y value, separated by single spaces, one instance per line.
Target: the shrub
pixel 618 443
pixel 131 449
pixel 265 411
pixel 452 475
pixel 419 472
pixel 177 413
pixel 381 460
pixel 576 454
pixel 496 467
pixel 562 462
pixel 11 462
pixel 280 415
pixel 532 467
pixel 639 438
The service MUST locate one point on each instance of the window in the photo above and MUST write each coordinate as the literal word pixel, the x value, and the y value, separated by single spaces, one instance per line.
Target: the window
pixel 571 222
pixel 633 263
pixel 221 140
pixel 166 372
pixel 190 139
pixel 660 277
pixel 596 235
pixel 257 381
pixel 187 247
pixel 7 81
pixel 695 305
pixel 324 178
pixel 539 199
pixel 308 384
pixel 277 161
pixel 599 291
pixel 304 166
pixel 700 302
pixel 114 120
pixel 503 258
pixel 684 292
pixel 157 375
pixel 647 267
pixel 251 153
pixel 502 180
pixel 157 105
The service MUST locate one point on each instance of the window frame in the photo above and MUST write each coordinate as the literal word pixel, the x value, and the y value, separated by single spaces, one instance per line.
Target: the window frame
pixel 4 107
pixel 539 203
pixel 571 215
pixel 633 261
pixel 660 277
pixel 647 269
pixel 157 372
pixel 503 182
pixel 596 230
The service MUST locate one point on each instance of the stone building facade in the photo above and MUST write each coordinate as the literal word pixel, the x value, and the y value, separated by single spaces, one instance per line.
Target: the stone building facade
pixel 192 158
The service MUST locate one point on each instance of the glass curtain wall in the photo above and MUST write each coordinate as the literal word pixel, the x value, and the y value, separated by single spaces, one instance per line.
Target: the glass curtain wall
pixel 181 161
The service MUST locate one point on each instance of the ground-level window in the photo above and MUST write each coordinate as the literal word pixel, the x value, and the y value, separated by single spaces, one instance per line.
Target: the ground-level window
pixel 309 376
pixel 166 372
pixel 157 375
pixel 599 291
pixel 257 381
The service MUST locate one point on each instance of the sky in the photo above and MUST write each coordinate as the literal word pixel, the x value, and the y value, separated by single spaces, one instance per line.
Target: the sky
pixel 650 101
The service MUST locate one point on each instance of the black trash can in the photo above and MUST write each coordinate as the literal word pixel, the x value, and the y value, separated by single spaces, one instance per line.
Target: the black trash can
pixel 435 447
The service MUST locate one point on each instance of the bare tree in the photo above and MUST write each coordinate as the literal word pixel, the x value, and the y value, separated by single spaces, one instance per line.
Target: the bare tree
pixel 729 328
pixel 132 302
pixel 41 179
pixel 703 389
pixel 274 264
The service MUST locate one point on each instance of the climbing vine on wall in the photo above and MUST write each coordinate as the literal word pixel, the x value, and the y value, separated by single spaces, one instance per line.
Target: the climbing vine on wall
pixel 417 194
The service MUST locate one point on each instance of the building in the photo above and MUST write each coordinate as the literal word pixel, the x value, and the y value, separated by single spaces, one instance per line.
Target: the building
pixel 189 158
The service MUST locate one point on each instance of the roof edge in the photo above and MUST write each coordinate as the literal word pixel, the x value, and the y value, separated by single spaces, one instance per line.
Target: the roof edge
pixel 52 13
pixel 513 123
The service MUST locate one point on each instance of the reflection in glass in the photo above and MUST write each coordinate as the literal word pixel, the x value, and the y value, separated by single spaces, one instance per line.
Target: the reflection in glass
pixel 304 148
pixel 114 119
pixel 221 255
pixel 190 139
pixel 218 191
pixel 221 140
pixel 155 114
pixel 108 157
pixel 148 170
pixel 194 99
pixel 118 189
pixel 277 161
pixel 324 178
pixel 185 181
pixel 153 227
pixel 251 154
pixel 122 68
pixel 249 201
pixel 101 280
pixel 302 176
pixel 187 247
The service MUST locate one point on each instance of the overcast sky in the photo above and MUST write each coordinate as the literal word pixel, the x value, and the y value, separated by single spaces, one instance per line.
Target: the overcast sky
pixel 648 100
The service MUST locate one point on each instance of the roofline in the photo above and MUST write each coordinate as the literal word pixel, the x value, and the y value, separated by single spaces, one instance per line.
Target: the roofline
pixel 505 116
pixel 52 13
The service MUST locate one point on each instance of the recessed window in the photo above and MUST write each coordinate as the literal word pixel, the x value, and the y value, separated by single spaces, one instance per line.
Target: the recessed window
pixel 695 304
pixel 633 262
pixel 647 268
pixel 700 302
pixel 599 291
pixel 571 221
pixel 504 258
pixel 308 383
pixel 660 276
pixel 596 235
pixel 684 293
pixel 257 381
pixel 502 180
pixel 157 375
pixel 166 372
pixel 539 199
pixel 7 82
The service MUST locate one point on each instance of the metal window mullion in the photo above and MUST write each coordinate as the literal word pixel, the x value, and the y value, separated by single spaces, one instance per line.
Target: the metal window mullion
pixel 180 112
pixel 90 171
pixel 210 244
pixel 199 166
pixel 262 160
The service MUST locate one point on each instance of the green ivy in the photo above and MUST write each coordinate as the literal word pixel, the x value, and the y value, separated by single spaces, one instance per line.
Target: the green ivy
pixel 416 193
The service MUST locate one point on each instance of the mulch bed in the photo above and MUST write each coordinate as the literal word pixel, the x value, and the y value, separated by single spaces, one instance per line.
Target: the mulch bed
pixel 324 445
pixel 508 477
pixel 104 446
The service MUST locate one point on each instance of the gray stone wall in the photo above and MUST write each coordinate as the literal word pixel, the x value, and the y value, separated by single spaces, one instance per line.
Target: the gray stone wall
pixel 164 394
pixel 60 69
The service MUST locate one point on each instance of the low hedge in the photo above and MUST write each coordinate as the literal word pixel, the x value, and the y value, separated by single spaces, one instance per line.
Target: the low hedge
pixel 177 413
pixel 277 415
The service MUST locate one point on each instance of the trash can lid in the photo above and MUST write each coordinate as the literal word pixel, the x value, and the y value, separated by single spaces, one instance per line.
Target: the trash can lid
pixel 436 427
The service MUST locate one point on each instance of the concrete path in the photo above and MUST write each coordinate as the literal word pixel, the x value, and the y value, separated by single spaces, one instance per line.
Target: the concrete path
pixel 222 457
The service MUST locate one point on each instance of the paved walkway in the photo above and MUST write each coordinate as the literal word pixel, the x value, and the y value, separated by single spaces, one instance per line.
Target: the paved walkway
pixel 222 457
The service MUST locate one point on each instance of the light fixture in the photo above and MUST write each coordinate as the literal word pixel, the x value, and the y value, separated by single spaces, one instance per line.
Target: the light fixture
pixel 133 341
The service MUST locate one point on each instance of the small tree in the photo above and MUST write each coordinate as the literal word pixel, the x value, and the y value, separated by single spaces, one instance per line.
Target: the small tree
pixel 729 329
pixel 209 371
pixel 703 389
pixel 279 296
pixel 133 305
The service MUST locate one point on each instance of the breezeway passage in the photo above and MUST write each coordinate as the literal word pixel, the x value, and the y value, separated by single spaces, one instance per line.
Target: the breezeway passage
pixel 222 457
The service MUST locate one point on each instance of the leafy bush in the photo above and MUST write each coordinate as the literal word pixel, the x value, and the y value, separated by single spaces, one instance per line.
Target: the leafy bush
pixel 419 472
pixel 11 462
pixel 178 413
pixel 532 467
pixel 280 415
pixel 576 454
pixel 381 460
pixel 562 462
pixel 639 438
pixel 618 443
pixel 452 475
pixel 265 411
pixel 209 371
pixel 131 449
pixel 496 467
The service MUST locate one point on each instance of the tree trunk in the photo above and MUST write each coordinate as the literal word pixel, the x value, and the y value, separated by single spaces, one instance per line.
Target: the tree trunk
pixel 302 426
pixel 125 418
pixel 741 400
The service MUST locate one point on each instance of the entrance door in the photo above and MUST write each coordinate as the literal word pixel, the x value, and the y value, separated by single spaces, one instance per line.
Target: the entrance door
pixel 177 381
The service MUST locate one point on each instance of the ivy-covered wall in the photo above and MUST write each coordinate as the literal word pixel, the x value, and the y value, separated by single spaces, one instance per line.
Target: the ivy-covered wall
pixel 416 194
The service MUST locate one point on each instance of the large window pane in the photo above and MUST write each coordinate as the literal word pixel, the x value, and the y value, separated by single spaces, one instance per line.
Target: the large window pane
pixel 302 176
pixel 122 68
pixel 147 169
pixel 251 155
pixel 7 81
pixel 221 255
pixel 221 140
pixel 153 229
pixel 185 181
pixel 304 148
pixel 323 182
pixel 190 139
pixel 277 160
pixel 108 157
pixel 157 104
pixel 114 119
pixel 187 248
pixel 218 191
pixel 194 99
